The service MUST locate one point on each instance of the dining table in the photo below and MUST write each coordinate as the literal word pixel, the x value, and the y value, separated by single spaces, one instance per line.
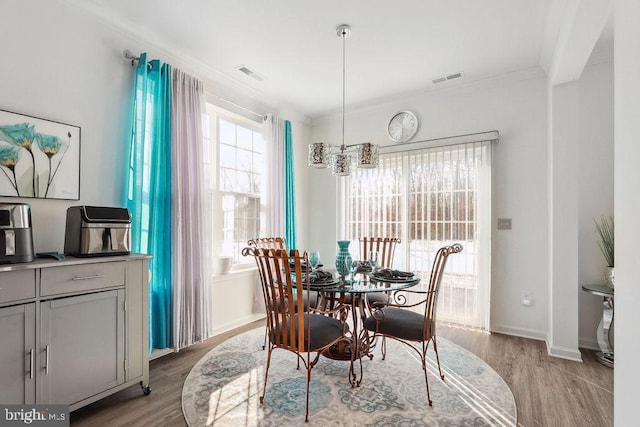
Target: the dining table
pixel 353 293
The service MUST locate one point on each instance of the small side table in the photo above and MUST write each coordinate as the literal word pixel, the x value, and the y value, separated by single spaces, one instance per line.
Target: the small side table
pixel 605 328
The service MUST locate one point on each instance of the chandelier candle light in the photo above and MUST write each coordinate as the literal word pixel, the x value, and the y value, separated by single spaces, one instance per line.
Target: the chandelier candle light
pixel 320 155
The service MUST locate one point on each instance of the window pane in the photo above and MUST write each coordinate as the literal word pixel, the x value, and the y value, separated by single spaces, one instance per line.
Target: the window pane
pixel 227 156
pixel 244 160
pixel 227 179
pixel 258 143
pixel 227 132
pixel 256 183
pixel 245 138
pixel 243 182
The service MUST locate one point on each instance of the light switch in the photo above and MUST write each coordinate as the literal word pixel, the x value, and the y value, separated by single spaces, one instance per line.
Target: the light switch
pixel 504 223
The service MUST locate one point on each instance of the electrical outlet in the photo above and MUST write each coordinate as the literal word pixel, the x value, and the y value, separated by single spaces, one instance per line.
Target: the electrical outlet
pixel 504 223
pixel 527 298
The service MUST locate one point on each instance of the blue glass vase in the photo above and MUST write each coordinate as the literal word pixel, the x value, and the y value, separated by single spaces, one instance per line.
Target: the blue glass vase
pixel 343 258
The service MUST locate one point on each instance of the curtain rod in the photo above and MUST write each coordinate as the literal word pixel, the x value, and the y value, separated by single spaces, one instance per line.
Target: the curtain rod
pixel 493 135
pixel 234 104
pixel 133 58
pixel 129 55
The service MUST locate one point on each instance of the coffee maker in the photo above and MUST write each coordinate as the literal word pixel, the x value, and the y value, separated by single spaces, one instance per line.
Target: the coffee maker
pixel 16 239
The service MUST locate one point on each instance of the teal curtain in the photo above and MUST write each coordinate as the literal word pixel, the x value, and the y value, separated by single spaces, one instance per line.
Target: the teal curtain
pixel 289 199
pixel 149 189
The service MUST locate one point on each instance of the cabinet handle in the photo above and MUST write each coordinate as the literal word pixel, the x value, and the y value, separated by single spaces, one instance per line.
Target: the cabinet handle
pixel 31 357
pixel 46 360
pixel 95 276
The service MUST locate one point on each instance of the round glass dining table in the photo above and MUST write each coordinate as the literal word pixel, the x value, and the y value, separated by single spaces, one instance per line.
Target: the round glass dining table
pixel 353 293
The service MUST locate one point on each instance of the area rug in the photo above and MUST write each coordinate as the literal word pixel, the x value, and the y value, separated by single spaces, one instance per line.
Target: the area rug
pixel 223 389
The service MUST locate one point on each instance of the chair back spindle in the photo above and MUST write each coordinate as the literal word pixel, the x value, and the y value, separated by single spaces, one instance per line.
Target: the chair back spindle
pixel 385 246
pixel 435 278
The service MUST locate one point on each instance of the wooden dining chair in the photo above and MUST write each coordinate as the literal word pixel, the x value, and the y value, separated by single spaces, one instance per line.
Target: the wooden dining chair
pixel 311 300
pixel 289 326
pixel 399 322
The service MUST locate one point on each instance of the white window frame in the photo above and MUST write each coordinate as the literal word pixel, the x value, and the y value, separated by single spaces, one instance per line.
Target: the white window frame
pixel 211 132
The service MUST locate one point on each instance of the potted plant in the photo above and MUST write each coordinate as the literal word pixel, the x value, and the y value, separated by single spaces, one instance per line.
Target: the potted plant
pixel 605 233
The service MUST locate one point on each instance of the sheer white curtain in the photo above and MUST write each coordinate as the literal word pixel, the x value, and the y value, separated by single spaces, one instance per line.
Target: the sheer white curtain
pixel 429 198
pixel 272 133
pixel 191 213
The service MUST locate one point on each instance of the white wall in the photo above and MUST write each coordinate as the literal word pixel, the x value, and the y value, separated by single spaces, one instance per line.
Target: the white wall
pixel 595 153
pixel 64 64
pixel 62 67
pixel 515 105
pixel 627 210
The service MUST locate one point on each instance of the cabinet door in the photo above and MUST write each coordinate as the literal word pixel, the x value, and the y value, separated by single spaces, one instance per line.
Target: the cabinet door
pixel 17 354
pixel 82 346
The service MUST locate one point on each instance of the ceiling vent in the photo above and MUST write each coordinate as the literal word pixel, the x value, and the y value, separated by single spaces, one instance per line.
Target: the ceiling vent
pixel 446 78
pixel 249 72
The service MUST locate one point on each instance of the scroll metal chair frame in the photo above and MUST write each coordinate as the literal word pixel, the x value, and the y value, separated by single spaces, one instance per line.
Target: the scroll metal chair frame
pixel 289 326
pixel 268 243
pixel 394 319
pixel 385 246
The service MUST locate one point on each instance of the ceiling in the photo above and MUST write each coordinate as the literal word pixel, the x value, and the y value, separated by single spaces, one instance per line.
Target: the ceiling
pixel 393 50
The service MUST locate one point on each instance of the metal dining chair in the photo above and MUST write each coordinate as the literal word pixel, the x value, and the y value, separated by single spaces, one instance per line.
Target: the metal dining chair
pixel 397 321
pixel 386 248
pixel 289 326
pixel 280 243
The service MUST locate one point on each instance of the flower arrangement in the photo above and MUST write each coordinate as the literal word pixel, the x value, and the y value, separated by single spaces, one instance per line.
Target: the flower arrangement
pixel 22 137
pixel 605 232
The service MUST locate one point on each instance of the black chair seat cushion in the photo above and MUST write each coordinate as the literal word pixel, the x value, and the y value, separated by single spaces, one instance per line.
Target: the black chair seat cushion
pixel 398 322
pixel 377 297
pixel 324 330
pixel 371 297
pixel 311 301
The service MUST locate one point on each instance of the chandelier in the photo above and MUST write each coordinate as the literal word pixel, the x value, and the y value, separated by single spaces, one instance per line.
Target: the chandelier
pixel 340 158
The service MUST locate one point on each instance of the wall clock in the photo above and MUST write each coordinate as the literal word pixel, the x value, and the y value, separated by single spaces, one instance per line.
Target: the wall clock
pixel 402 126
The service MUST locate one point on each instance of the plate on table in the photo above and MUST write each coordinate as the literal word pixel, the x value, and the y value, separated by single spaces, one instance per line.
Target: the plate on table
pixel 325 282
pixel 392 279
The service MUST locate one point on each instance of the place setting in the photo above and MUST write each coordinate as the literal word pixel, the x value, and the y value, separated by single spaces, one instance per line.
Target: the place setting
pixel 391 275
pixel 318 276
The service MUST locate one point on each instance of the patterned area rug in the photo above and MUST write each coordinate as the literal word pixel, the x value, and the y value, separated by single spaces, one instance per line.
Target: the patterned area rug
pixel 223 389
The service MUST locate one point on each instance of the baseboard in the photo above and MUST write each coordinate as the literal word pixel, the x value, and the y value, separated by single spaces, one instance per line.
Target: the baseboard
pixel 520 332
pixel 237 323
pixel 564 352
pixel 590 344
pixel 156 353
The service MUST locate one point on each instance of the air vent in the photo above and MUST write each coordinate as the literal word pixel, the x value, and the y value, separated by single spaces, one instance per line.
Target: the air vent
pixel 249 72
pixel 446 78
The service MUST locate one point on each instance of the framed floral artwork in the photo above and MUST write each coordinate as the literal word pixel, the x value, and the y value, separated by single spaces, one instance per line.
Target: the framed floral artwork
pixel 38 158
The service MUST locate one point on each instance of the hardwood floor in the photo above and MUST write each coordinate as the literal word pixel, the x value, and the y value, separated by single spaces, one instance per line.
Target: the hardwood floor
pixel 548 391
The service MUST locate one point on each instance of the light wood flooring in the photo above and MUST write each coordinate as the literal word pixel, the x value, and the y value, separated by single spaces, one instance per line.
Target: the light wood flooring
pixel 548 391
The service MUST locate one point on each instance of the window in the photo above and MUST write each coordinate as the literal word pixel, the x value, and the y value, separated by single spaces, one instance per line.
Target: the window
pixel 238 156
pixel 429 198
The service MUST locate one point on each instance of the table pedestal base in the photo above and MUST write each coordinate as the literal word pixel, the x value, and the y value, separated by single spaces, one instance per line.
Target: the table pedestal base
pixel 606 358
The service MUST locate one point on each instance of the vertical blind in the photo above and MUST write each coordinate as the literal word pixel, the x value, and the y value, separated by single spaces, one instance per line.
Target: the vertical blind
pixel 430 198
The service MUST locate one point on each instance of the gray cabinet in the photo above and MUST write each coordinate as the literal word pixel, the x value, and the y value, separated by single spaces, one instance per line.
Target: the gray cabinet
pixel 73 331
pixel 17 354
pixel 82 340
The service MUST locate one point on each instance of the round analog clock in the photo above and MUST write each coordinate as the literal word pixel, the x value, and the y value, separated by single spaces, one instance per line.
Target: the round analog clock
pixel 402 126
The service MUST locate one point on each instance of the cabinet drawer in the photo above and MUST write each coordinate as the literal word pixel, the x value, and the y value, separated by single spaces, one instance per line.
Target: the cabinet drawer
pixel 17 285
pixel 80 278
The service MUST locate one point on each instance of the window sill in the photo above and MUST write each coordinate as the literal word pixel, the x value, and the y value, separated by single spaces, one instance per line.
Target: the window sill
pixel 235 273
